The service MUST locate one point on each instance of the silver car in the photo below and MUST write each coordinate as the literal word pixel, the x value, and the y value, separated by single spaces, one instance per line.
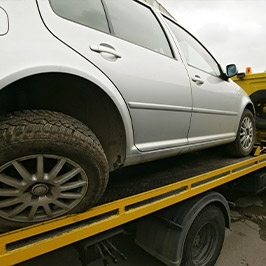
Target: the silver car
pixel 87 87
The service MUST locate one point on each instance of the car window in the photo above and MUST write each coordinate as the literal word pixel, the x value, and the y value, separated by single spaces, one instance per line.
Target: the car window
pixel 86 12
pixel 195 54
pixel 136 23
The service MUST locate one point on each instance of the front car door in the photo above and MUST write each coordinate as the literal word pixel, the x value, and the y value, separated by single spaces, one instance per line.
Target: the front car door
pixel 125 40
pixel 215 101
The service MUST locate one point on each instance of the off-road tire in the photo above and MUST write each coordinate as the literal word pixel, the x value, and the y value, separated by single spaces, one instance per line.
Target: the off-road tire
pixel 33 132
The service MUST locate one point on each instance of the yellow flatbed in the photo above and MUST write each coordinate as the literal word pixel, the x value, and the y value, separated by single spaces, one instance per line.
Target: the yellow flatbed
pixel 130 196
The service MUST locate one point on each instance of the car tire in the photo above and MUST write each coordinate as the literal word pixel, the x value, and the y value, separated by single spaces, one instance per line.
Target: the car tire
pixel 205 238
pixel 50 165
pixel 243 145
pixel 259 100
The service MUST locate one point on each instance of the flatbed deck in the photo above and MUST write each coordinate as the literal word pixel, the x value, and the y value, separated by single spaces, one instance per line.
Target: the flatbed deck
pixel 140 178
pixel 132 193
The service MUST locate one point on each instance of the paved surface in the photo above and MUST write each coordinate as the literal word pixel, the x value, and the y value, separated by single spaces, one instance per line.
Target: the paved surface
pixel 245 243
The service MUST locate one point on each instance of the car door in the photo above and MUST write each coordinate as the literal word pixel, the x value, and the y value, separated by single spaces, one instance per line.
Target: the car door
pixel 125 40
pixel 215 101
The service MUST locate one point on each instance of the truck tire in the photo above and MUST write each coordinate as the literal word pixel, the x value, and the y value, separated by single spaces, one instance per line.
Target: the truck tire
pixel 205 238
pixel 50 165
pixel 245 138
pixel 259 100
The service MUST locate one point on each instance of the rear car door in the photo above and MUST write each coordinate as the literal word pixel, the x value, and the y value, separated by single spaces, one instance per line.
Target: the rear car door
pixel 126 41
pixel 215 101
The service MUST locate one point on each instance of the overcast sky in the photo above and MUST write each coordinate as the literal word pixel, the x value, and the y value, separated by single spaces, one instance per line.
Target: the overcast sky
pixel 234 31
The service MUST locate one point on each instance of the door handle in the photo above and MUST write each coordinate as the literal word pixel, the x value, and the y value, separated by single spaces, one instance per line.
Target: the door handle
pixel 104 49
pixel 197 79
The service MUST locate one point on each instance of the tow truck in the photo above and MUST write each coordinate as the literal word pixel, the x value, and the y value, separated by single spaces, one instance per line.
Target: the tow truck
pixel 171 203
pixel 173 206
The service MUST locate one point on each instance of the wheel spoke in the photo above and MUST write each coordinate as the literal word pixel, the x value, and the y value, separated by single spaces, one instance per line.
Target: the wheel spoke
pixel 56 169
pixel 9 202
pixel 67 176
pixel 245 143
pixel 60 204
pixel 32 212
pixel 8 192
pixel 72 185
pixel 8 180
pixel 47 210
pixel 24 173
pixel 40 168
pixel 242 139
pixel 69 196
pixel 17 210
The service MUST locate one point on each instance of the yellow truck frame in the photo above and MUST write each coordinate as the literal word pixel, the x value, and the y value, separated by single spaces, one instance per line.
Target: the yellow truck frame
pixel 255 87
pixel 26 243
pixel 251 83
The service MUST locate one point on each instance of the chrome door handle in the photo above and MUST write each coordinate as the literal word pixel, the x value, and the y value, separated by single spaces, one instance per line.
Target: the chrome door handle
pixel 103 49
pixel 197 79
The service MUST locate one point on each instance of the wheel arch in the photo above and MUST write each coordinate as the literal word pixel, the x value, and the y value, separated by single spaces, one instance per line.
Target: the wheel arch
pixel 251 108
pixel 245 103
pixel 76 96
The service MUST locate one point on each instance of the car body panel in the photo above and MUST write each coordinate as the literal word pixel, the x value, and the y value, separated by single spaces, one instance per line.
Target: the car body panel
pixel 223 98
pixel 157 90
pixel 214 108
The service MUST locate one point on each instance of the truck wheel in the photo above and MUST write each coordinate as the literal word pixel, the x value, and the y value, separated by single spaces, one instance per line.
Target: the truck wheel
pixel 245 138
pixel 205 238
pixel 50 165
pixel 259 100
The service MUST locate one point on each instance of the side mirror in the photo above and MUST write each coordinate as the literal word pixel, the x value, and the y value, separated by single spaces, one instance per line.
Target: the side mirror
pixel 231 70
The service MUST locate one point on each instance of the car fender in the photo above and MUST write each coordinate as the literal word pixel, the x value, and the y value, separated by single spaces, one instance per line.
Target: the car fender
pixel 245 101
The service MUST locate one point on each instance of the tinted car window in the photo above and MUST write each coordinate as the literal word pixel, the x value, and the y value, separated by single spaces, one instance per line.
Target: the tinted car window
pixel 136 23
pixel 86 12
pixel 193 51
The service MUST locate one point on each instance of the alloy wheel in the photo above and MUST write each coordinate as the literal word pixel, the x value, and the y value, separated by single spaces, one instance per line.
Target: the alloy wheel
pixel 40 187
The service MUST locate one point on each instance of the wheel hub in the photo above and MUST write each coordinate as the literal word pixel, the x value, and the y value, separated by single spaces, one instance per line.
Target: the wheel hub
pixel 39 189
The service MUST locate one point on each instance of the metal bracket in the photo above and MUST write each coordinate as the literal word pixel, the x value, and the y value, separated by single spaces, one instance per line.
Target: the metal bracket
pixel 261 148
pixel 99 247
